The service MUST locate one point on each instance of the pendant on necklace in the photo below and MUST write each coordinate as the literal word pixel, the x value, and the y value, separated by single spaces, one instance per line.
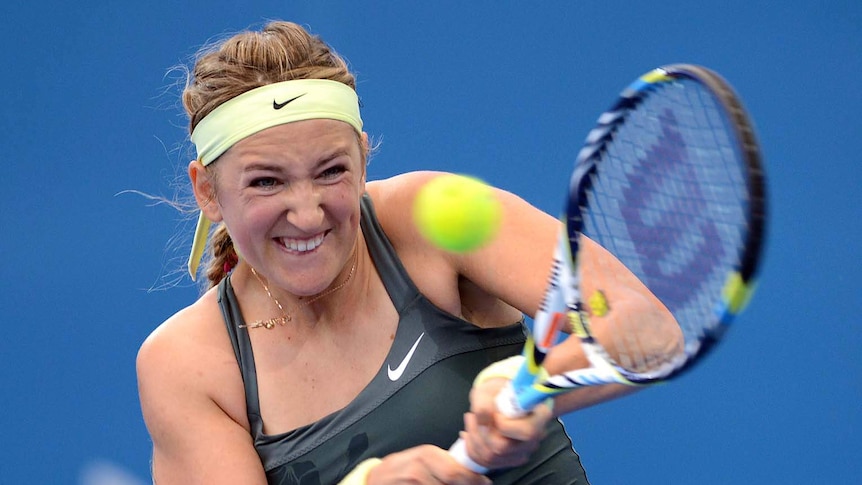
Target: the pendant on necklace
pixel 269 324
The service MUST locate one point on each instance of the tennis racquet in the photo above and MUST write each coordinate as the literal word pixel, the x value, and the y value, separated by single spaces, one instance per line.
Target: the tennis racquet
pixel 670 186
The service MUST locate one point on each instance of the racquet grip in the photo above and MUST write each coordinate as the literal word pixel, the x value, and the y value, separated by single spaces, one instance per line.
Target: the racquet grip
pixel 458 450
pixel 508 404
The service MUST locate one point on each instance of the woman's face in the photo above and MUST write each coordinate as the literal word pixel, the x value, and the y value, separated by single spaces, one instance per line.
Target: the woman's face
pixel 289 196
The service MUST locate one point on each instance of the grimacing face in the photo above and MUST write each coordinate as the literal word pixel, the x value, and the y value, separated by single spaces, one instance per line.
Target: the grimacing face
pixel 289 196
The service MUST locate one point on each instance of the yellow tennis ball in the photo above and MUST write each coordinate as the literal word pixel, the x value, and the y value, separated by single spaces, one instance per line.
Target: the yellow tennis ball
pixel 457 213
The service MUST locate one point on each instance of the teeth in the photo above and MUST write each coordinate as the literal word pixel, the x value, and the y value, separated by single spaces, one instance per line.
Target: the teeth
pixel 303 245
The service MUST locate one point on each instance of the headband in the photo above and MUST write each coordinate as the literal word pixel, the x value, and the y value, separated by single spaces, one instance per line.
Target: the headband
pixel 262 108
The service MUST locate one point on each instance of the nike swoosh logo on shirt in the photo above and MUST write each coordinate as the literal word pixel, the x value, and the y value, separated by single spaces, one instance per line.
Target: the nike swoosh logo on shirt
pixel 395 374
pixel 276 105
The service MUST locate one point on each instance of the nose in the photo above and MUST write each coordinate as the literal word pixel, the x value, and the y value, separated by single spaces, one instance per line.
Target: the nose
pixel 304 209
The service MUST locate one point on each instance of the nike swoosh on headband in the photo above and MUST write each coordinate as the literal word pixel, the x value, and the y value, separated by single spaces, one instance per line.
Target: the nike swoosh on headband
pixel 277 105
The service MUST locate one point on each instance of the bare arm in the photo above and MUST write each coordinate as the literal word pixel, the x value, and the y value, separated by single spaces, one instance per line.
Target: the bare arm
pixel 194 440
pixel 512 272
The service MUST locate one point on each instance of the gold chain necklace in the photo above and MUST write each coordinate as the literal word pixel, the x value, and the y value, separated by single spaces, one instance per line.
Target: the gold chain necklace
pixel 285 317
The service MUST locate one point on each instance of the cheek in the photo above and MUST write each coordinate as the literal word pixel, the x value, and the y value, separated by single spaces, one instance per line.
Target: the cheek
pixel 347 208
pixel 247 223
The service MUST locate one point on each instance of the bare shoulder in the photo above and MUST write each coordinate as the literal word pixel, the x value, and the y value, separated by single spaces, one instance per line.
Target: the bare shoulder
pixel 190 386
pixel 182 335
pixel 393 204
pixel 189 358
pixel 489 285
pixel 434 271
pixel 393 201
pixel 393 197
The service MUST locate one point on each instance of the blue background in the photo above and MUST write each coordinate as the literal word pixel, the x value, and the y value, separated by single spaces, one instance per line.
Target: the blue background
pixel 502 90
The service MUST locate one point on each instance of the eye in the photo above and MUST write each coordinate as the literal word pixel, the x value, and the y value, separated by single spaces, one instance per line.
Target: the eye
pixel 264 182
pixel 333 172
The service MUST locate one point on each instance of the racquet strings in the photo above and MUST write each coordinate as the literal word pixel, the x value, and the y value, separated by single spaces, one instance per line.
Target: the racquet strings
pixel 668 199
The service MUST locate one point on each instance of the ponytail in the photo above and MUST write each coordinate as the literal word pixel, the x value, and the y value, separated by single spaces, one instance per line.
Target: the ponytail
pixel 223 256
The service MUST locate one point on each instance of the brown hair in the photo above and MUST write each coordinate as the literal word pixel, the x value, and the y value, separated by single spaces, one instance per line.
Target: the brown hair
pixel 281 51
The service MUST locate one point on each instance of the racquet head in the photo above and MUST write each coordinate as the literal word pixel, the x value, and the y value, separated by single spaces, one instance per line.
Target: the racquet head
pixel 671 184
pixel 662 233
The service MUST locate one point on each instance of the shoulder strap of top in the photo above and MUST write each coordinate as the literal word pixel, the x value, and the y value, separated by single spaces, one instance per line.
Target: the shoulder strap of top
pixel 242 348
pixel 398 284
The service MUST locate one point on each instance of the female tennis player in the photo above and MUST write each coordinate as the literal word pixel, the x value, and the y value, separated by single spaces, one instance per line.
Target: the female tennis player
pixel 334 343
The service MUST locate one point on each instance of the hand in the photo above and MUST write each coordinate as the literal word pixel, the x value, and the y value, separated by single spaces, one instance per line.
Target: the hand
pixel 494 440
pixel 423 465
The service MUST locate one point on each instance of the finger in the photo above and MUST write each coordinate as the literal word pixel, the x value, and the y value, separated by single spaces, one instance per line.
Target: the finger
pixel 476 438
pixel 482 400
pixel 531 427
pixel 447 470
pixel 491 449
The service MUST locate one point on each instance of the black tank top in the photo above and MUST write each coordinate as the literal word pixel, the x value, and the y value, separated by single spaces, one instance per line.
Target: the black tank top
pixel 418 396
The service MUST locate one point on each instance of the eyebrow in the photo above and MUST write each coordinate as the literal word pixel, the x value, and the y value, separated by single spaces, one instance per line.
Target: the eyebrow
pixel 274 167
pixel 263 166
pixel 335 153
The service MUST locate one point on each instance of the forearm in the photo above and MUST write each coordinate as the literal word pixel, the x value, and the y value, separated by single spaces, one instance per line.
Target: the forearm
pixel 563 403
pixel 590 396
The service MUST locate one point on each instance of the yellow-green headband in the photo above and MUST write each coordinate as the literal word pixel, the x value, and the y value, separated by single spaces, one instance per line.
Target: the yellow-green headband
pixel 262 108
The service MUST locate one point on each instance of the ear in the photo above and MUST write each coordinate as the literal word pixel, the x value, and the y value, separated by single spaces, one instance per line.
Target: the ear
pixel 204 189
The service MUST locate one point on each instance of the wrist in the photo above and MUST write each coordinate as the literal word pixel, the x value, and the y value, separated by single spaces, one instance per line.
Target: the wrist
pixel 507 369
pixel 503 369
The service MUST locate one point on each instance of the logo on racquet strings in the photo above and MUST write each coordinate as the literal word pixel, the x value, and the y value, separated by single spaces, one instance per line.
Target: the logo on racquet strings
pixel 667 213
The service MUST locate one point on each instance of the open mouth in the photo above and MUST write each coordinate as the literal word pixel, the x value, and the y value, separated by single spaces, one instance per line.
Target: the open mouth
pixel 302 245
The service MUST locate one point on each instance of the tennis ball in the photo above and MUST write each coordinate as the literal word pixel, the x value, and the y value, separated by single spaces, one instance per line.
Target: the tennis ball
pixel 457 213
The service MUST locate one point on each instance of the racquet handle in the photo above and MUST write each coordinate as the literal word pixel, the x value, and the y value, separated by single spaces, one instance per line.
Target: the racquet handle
pixel 507 403
pixel 459 452
pixel 510 405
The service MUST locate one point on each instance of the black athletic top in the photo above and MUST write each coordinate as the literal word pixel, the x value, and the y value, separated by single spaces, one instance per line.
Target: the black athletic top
pixel 418 397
